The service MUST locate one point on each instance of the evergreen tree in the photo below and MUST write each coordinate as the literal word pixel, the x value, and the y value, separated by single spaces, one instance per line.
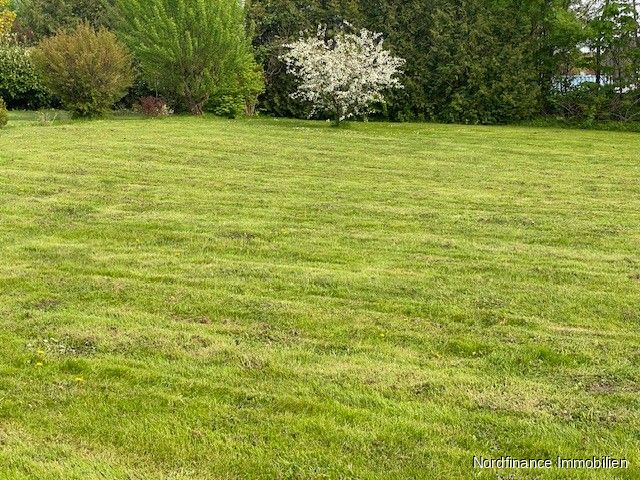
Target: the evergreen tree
pixel 469 60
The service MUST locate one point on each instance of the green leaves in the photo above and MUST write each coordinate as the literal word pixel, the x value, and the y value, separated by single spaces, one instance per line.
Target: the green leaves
pixel 88 70
pixel 188 49
pixel 614 38
pixel 20 86
pixel 43 18
pixel 469 61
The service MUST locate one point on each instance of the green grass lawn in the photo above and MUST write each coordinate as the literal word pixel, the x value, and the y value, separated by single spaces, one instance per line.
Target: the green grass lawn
pixel 197 298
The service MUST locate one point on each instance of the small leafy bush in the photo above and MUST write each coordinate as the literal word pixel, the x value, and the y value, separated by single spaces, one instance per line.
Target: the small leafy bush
pixel 20 86
pixel 88 70
pixel 250 83
pixel 152 106
pixel 227 105
pixel 238 95
pixel 586 102
pixel 4 114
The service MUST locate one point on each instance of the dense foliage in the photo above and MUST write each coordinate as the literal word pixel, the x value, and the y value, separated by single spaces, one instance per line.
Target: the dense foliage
pixel 153 106
pixel 238 94
pixel 590 104
pixel 467 61
pixel 20 86
pixel 38 19
pixel 7 17
pixel 188 50
pixel 87 70
pixel 476 61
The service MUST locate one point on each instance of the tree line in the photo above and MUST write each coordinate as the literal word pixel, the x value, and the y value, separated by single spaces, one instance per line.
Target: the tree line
pixel 476 61
pixel 467 61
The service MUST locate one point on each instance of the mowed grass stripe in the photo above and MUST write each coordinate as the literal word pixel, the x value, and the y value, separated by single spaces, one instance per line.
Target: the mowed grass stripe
pixel 281 299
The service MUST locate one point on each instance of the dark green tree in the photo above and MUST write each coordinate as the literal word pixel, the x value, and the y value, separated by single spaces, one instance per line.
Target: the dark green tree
pixel 467 60
pixel 38 19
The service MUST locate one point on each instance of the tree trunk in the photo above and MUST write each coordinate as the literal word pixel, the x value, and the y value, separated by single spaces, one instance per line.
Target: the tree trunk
pixel 598 64
pixel 195 102
pixel 636 67
pixel 196 108
pixel 338 110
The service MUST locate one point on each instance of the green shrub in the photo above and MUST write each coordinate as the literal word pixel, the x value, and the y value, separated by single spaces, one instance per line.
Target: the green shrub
pixel 227 105
pixel 38 19
pixel 250 84
pixel 88 70
pixel 472 61
pixel 20 86
pixel 585 102
pixel 4 114
pixel 187 49
pixel 239 93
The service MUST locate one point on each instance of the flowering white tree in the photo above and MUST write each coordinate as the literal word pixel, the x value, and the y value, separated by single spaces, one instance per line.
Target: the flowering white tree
pixel 344 75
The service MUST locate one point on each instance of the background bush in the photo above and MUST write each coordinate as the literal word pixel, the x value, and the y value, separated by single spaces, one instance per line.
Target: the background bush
pixel 590 103
pixel 238 95
pixel 88 70
pixel 4 114
pixel 230 105
pixel 20 86
pixel 38 19
pixel 468 61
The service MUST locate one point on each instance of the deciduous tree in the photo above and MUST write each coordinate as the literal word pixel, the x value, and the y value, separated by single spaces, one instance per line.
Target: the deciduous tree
pixel 344 74
pixel 187 49
pixel 7 17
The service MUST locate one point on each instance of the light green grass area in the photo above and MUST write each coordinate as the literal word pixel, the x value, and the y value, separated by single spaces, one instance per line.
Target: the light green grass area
pixel 197 298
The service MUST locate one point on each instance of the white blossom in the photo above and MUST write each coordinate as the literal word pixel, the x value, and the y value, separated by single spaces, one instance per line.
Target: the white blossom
pixel 344 75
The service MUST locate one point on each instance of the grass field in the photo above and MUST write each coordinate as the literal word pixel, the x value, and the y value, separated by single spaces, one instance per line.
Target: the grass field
pixel 273 299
